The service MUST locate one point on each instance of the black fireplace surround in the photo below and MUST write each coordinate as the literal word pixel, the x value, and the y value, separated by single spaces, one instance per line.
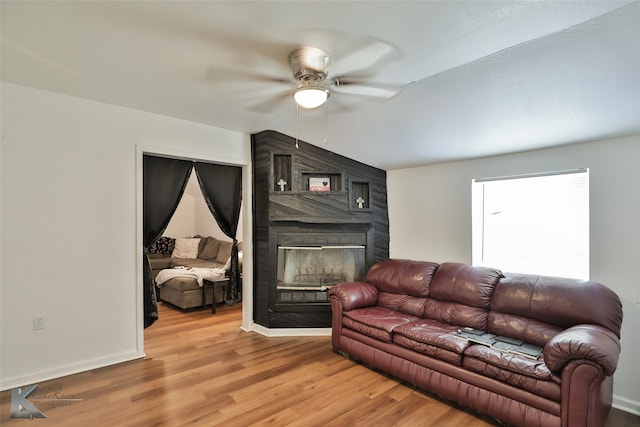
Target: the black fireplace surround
pixel 306 240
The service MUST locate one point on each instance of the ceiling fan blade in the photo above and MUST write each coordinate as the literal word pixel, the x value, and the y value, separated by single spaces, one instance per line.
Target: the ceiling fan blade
pixel 225 75
pixel 342 104
pixel 270 104
pixel 367 89
pixel 364 54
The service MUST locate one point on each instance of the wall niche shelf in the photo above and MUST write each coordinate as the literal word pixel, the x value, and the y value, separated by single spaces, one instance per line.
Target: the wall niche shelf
pixel 281 172
pixel 321 182
pixel 360 197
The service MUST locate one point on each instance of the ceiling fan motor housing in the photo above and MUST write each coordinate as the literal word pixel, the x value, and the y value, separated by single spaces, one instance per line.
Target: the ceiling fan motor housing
pixel 309 63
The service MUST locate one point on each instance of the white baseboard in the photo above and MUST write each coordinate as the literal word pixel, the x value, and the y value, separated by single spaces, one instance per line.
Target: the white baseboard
pixel 289 332
pixel 626 405
pixel 50 374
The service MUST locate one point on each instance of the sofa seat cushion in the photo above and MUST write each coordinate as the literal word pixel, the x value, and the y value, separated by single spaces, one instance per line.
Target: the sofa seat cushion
pixel 377 322
pixel 434 333
pixel 522 372
pixel 432 338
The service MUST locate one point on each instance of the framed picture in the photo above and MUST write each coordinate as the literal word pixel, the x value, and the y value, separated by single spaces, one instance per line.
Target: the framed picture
pixel 319 184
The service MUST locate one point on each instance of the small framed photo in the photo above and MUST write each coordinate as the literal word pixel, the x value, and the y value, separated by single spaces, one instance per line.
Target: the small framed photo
pixel 319 184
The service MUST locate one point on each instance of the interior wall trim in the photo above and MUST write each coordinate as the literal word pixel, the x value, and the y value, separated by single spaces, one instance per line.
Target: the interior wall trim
pixel 247 226
pixel 626 405
pixel 289 332
pixel 63 371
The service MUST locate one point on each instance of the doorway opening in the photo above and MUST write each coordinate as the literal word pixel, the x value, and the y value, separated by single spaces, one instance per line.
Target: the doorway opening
pixel 189 280
pixel 244 284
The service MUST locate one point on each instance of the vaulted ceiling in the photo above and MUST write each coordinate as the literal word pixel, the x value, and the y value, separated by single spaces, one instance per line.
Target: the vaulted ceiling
pixel 477 78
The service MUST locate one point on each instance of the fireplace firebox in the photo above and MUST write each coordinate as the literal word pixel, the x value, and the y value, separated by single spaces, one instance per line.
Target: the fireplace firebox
pixel 305 273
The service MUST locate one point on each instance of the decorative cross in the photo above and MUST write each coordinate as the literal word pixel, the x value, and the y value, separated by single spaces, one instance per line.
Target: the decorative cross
pixel 281 184
pixel 360 201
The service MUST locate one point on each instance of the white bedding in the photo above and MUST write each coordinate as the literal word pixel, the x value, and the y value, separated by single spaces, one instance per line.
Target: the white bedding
pixel 199 274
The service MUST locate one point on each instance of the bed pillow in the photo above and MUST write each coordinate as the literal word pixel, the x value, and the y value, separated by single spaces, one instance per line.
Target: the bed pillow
pixel 163 245
pixel 186 248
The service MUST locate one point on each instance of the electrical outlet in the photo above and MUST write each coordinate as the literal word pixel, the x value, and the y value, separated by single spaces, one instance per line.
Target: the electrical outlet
pixel 38 323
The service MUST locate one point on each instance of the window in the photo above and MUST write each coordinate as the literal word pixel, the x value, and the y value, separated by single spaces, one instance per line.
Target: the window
pixel 535 224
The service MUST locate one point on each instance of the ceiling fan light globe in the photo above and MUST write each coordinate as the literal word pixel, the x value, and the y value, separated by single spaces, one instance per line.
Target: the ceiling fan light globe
pixel 310 97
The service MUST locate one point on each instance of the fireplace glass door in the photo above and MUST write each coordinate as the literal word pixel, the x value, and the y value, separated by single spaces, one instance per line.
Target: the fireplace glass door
pixel 317 268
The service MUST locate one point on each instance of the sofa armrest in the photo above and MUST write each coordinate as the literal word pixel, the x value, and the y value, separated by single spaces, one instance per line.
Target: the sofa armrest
pixel 355 295
pixel 591 342
pixel 160 262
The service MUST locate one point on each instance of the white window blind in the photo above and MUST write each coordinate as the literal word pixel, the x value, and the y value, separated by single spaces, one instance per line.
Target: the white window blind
pixel 535 224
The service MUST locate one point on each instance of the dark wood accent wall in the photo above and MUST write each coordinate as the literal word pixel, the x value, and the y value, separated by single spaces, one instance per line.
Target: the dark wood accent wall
pixel 356 202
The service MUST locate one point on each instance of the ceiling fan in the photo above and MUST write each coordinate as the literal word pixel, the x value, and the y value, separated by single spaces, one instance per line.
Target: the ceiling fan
pixel 311 67
pixel 314 82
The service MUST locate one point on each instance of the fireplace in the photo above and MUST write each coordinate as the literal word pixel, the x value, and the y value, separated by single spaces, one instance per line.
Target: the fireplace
pixel 307 241
pixel 305 273
pixel 311 258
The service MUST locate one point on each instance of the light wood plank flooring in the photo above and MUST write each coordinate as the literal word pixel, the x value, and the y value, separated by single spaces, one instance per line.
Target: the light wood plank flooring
pixel 202 370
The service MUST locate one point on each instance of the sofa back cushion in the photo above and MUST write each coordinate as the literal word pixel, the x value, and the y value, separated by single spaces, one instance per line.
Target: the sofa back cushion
pixel 514 326
pixel 460 294
pixel 465 284
pixel 402 284
pixel 224 251
pixel 402 277
pixel 210 248
pixel 403 303
pixel 552 303
pixel 455 314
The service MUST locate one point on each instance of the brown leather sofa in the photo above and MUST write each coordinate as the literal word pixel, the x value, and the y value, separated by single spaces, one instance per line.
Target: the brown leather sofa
pixel 403 320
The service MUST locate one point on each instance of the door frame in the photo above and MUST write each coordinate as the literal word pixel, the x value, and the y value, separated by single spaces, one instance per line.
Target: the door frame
pixel 245 217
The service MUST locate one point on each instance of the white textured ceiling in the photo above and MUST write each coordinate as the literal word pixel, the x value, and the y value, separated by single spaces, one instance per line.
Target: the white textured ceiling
pixel 480 77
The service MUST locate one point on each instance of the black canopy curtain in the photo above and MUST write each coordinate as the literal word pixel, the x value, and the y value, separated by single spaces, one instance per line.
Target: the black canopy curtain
pixel 164 182
pixel 222 190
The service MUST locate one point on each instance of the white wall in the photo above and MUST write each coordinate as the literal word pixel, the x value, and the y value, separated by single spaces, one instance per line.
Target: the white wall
pixel 204 222
pixel 70 226
pixel 193 217
pixel 182 223
pixel 206 225
pixel 430 219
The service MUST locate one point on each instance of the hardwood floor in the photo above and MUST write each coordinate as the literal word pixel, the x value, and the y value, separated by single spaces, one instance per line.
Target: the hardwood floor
pixel 202 370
